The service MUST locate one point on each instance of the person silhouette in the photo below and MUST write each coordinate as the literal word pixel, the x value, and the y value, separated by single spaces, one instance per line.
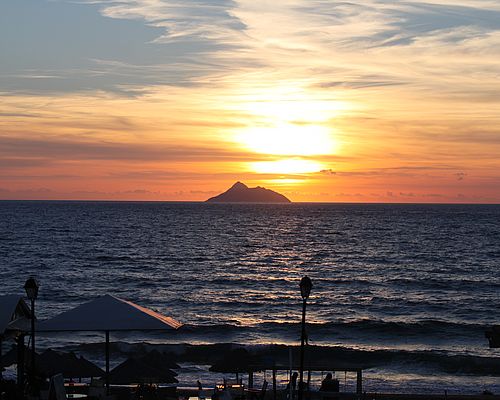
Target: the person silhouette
pixel 293 382
pixel 329 384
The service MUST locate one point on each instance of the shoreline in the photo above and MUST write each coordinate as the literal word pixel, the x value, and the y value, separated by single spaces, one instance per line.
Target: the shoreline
pixel 315 395
pixel 383 379
pixel 211 352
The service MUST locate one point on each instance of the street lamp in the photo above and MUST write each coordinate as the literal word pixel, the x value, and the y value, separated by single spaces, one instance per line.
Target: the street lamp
pixel 31 287
pixel 493 336
pixel 305 290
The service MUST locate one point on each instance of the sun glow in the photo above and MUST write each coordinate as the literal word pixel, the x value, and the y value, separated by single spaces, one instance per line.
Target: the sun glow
pixel 289 139
pixel 291 103
pixel 288 120
pixel 284 181
pixel 293 166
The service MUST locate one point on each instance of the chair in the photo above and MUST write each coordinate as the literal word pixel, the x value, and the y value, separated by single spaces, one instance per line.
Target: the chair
pixel 225 395
pixel 258 394
pixel 204 393
pixel 263 390
pixel 56 388
pixel 97 389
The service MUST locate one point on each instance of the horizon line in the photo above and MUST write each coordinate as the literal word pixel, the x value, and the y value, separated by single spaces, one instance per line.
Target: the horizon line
pixel 242 202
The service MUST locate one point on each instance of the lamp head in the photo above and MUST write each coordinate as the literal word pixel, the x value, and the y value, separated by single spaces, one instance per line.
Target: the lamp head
pixel 305 287
pixel 31 287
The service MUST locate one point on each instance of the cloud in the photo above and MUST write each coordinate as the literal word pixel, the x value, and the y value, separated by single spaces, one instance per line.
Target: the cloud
pixel 160 90
pixel 192 42
pixel 460 176
pixel 42 151
pixel 179 19
pixel 23 115
pixel 7 162
pixel 434 195
pixel 204 192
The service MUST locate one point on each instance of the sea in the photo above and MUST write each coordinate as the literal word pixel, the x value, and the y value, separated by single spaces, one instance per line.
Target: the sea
pixel 409 288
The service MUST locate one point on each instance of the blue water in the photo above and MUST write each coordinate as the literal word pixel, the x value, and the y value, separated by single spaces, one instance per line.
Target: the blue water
pixel 420 282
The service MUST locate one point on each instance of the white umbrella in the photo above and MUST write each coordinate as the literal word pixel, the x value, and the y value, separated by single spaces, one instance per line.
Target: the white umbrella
pixel 15 316
pixel 108 313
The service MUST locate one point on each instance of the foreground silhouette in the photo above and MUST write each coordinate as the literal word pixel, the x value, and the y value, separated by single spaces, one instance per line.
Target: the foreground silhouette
pixel 241 193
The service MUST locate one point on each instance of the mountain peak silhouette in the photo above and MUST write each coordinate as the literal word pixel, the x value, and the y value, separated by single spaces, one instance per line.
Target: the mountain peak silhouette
pixel 241 193
pixel 239 185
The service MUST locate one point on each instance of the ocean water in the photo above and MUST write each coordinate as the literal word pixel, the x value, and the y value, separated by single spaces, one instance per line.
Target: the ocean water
pixel 409 288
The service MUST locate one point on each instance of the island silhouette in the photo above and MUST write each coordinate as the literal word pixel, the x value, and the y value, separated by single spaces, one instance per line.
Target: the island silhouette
pixel 241 193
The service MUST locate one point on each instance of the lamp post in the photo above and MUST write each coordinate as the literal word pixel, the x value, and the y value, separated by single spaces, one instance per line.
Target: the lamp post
pixel 493 336
pixel 305 290
pixel 31 287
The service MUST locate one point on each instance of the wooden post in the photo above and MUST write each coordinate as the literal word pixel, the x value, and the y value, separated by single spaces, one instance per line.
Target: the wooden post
pixel 32 369
pixel 20 363
pixel 302 346
pixel 250 380
pixel 290 389
pixel 1 376
pixel 274 384
pixel 359 383
pixel 107 363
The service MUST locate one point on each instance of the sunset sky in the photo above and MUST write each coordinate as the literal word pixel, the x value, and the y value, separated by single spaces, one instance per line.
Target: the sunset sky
pixel 370 101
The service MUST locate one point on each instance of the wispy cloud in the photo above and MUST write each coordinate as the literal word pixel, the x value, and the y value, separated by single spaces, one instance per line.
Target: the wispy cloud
pixel 36 152
pixel 408 90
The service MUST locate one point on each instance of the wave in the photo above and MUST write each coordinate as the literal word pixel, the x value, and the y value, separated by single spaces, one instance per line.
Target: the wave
pixel 446 284
pixel 364 334
pixel 113 258
pixel 376 328
pixel 402 360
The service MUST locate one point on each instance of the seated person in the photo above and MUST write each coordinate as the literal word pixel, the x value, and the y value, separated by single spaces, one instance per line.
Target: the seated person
pixel 329 384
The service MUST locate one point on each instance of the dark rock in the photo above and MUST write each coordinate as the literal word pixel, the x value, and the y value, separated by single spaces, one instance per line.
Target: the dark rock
pixel 241 193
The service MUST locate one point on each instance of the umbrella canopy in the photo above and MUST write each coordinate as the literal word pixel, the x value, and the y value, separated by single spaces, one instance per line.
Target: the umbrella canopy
pixel 10 358
pixel 135 371
pixel 108 313
pixel 88 366
pixel 238 360
pixel 67 364
pixel 15 314
pixel 159 360
pixel 51 363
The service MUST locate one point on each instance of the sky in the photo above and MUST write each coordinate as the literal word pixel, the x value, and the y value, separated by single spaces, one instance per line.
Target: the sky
pixel 323 101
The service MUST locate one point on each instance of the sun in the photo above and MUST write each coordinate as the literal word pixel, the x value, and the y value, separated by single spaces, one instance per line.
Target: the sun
pixel 287 166
pixel 287 139
pixel 292 125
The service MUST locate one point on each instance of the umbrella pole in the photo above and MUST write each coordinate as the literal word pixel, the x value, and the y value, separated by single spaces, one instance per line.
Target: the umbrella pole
pixel 107 363
pixel 20 363
pixel 290 389
pixel 250 380
pixel 274 383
